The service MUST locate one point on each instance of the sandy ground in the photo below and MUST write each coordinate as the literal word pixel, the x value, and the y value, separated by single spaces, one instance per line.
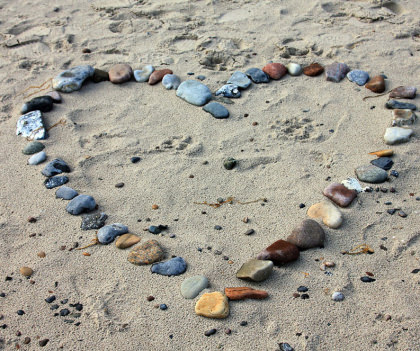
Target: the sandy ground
pixel 286 158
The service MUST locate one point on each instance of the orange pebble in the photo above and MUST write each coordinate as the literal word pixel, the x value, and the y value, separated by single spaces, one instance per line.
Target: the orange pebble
pixel 155 207
pixel 380 153
pixel 86 254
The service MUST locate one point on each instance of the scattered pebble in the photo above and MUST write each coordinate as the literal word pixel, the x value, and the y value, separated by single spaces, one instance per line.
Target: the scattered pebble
pixel 367 279
pixel 119 185
pixel 229 163
pixel 250 232
pixel 43 342
pixel 135 159
pixel 210 332
pixel 337 296
pixel 163 307
pixel 26 271
pixel 243 323
pixel 50 299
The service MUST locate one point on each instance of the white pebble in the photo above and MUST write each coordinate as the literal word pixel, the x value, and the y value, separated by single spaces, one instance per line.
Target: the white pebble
pixel 294 69
pixel 37 158
pixel 337 296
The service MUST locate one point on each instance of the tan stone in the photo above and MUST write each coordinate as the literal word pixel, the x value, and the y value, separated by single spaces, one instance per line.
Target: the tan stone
pixel 213 305
pixel 127 240
pixel 41 254
pixel 26 271
pixel 330 214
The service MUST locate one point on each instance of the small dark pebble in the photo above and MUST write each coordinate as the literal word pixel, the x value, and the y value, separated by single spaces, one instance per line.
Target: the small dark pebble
pixel 226 258
pixel 163 307
pixel 382 247
pixel 384 190
pixel 199 249
pixel 172 236
pixel 27 340
pixel 217 227
pixel 78 306
pixel 50 299
pixel 8 278
pixel 190 73
pixel 77 324
pixel 171 336
pixel 394 173
pixel 54 307
pixel 391 211
pixel 367 279
pixel 418 198
pixel 302 289
pixel 31 219
pixel 86 51
pixel 154 229
pixel 150 298
pixel 301 205
pixel 135 159
pixel 43 342
pixel 284 346
pixel 20 312
pixel 69 321
pixel 64 312
pixel 392 190
pixel 210 332
pixel 331 130
pixel 209 248
pixel 3 326
pixel 388 203
pixel 250 232
pixel 304 296
pixel 64 301
pixel 201 77
pixel 119 185
pixel 217 252
pixel 2 294
pixel 18 333
pixel 243 323
pixel 415 271
pixel 402 214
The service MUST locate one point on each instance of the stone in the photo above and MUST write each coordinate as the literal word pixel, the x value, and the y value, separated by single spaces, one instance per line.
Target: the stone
pixel 381 153
pixel 158 75
pixel 383 162
pixel 336 72
pixel 171 81
pixel 358 76
pixel 395 104
pixel 26 271
pixel 313 70
pixel 376 84
pixel 243 293
pixel 328 212
pixel 33 147
pixel 229 163
pixel 257 75
pixel 174 266
pixel 239 79
pixel 147 253
pixel 340 194
pixel 212 305
pixel 284 346
pixel 402 118
pixel 93 221
pixel 210 332
pixel 108 233
pixel 100 76
pixel 194 92
pixel 31 126
pixel 255 270
pixel 229 91
pixel 294 69
pixel 371 174
pixel 127 240
pixel 55 95
pixel 55 167
pixel 403 92
pixel 192 286
pixel 280 252
pixel 43 342
pixel 367 279
pixel 216 110
pixel 309 234
pixel 66 193
pixel 72 79
pixel 275 71
pixel 397 135
pixel 120 73
pixel 56 181
pixel 143 75
pixel 37 158
pixel 41 103
pixel 81 204
pixel 337 296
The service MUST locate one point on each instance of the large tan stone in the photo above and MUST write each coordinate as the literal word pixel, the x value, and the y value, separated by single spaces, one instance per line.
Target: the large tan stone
pixel 330 214
pixel 212 305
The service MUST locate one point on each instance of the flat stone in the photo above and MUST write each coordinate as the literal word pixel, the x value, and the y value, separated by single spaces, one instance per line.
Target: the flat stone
pixel 280 252
pixel 212 305
pixel 383 162
pixel 120 73
pixel 243 293
pixel 275 71
pixel 41 103
pixel 56 181
pixel 313 70
pixel 393 104
pixel 229 91
pixel 371 174
pixel 336 72
pixel 143 75
pixel 376 84
pixel 294 69
pixel 33 147
pixel 55 95
pixel 55 167
pixel 257 75
pixel 171 81
pixel 174 266
pixel 93 221
pixel 328 212
pixel 158 75
pixel 66 193
pixel 127 240
pixel 340 194
pixel 192 286
pixel 31 126
pixel 255 270
pixel 72 79
pixel 146 253
pixel 397 135
pixel 216 110
pixel 194 92
pixel 108 233
pixel 37 158
pixel 309 234
pixel 358 76
pixel 402 118
pixel 239 79
pixel 100 76
pixel 403 92
pixel 81 204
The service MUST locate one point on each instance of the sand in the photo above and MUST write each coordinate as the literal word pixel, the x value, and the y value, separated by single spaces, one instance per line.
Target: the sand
pixel 308 130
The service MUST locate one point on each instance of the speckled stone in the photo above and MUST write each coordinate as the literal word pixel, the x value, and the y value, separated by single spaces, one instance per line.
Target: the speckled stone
pixel 146 253
pixel 120 73
pixel 31 125
pixel 54 167
pixel 56 181
pixel 401 118
pixel 336 72
pixel 192 286
pixel 33 147
pixel 309 234
pixel 93 221
pixel 174 266
pixel 72 79
pixel 371 174
pixel 212 305
pixel 229 90
pixel 403 92
pixel 255 270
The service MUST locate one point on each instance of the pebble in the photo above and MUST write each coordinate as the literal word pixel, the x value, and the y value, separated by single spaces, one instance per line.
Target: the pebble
pixel 357 76
pixel 210 332
pixel 314 69
pixel 37 158
pixel 135 159
pixel 367 279
pixel 229 163
pixel 50 299
pixel 403 93
pixel 249 232
pixel 119 185
pixel 339 194
pixel 171 81
pixel 100 76
pixel 371 174
pixel 72 79
pixel 304 296
pixel 243 323
pixel 143 75
pixel 302 288
pixel 81 204
pixel 174 266
pixel 31 126
pixel 255 270
pixel 294 69
pixel 275 71
pixel 284 346
pixel 41 103
pixel 43 342
pixel 192 286
pixel 309 234
pixel 336 72
pixel 154 229
pixel 93 221
pixel 280 252
pixel 64 312
pixel 383 162
pixel 397 135
pixel 239 79
pixel 194 92
pixel 257 75
pixel 402 118
pixel 26 271
pixel 163 307
pixel 402 214
pixel 33 147
pixel 394 104
pixel 66 193
pixel 158 75
pixel 27 340
pixel 243 293
pixel 216 110
pixel 147 253
pixel 229 91
pixel 201 77
pixel 20 312
pixel 376 84
pixel 54 167
pixel 108 233
pixel 56 181
pixel 120 73
pixel 330 214
pixel 337 296
pixel 212 305
pixel 127 240
pixel 150 298
pixel 55 95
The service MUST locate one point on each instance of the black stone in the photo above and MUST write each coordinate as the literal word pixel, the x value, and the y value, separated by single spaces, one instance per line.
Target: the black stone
pixel 394 173
pixel 394 104
pixel 135 159
pixel 55 167
pixel 217 227
pixel 41 103
pixel 301 205
pixel 391 211
pixel 210 332
pixel 383 162
pixel 302 289
pixel 243 323
pixel 54 307
pixel 304 296
pixel 56 181
pixel 64 312
pixel 154 229
pixel 43 342
pixel 50 299
pixel 20 312
pixel 78 306
pixel 100 76
pixel 367 279
pixel 415 271
pixel 2 294
pixel 93 221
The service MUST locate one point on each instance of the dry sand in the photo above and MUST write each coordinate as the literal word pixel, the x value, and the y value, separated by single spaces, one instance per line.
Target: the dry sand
pixel 288 161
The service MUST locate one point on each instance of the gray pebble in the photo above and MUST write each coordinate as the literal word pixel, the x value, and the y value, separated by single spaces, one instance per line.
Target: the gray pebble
pixel 55 167
pixel 240 79
pixel 33 147
pixel 66 193
pixel 216 110
pixel 37 158
pixel 56 181
pixel 171 81
pixel 371 174
pixel 229 91
pixel 192 286
pixel 143 75
pixel 357 76
pixel 174 266
pixel 337 296
pixel 257 75
pixel 194 92
pixel 72 79
pixel 108 233
pixel 81 204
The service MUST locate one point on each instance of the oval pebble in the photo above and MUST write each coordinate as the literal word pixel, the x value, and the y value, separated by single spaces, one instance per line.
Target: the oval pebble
pixel 37 158
pixel 336 72
pixel 120 73
pixel 33 147
pixel 275 70
pixel 174 266
pixel 216 110
pixel 337 296
pixel 257 75
pixel 108 233
pixel 294 69
pixel 55 167
pixel 66 193
pixel 56 181
pixel 194 92
pixel 192 286
pixel 81 204
pixel 158 75
pixel 371 174
pixel 358 76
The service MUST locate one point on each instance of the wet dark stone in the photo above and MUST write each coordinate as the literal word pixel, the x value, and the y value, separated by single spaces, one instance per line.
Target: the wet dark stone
pixel 41 103
pixel 20 312
pixel 43 342
pixel 56 181
pixel 243 323
pixel 50 299
pixel 135 159
pixel 367 279
pixel 302 289
pixel 55 167
pixel 391 211
pixel 304 296
pixel 93 221
pixel 415 271
pixel 64 312
pixel 218 227
pixel 210 332
pixel 394 104
pixel 54 307
pixel 154 229
pixel 395 174
pixel 402 214
pixel 383 162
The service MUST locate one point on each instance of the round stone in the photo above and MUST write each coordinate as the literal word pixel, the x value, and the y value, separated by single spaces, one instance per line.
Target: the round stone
pixel 229 163
pixel 147 253
pixel 275 70
pixel 171 81
pixel 358 76
pixel 26 271
pixel 212 305
pixel 330 214
pixel 127 240
pixel 191 287
pixel 33 147
pixel 108 233
pixel 337 296
pixel 120 73
pixel 294 69
pixel 37 158
pixel 309 234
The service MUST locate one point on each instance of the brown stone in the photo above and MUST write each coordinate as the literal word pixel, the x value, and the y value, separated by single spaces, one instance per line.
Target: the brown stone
pixel 100 76
pixel 243 293
pixel 338 193
pixel 127 240
pixel 26 271
pixel 158 75
pixel 314 69
pixel 403 93
pixel 275 70
pixel 376 84
pixel 41 254
pixel 308 235
pixel 280 252
pixel 120 73
pixel 147 253
pixel 212 305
